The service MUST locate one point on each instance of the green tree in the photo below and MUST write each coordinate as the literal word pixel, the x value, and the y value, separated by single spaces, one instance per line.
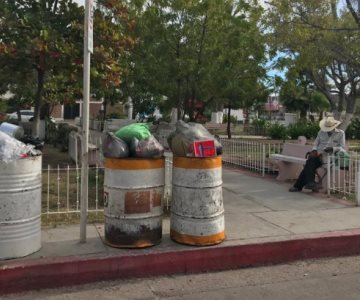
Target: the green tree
pixel 235 79
pixel 166 62
pixel 323 41
pixel 189 51
pixel 41 46
pixel 298 93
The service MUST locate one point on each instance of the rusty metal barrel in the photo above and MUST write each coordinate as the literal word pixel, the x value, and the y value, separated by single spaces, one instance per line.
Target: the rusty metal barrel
pixel 133 196
pixel 20 207
pixel 197 211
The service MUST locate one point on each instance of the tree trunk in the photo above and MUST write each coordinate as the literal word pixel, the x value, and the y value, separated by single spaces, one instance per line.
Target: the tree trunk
pixel 18 113
pixel 346 121
pixel 191 108
pixel 38 102
pixel 228 129
pixel 246 114
pixel 303 115
pixel 102 122
pixel 350 109
pixel 44 111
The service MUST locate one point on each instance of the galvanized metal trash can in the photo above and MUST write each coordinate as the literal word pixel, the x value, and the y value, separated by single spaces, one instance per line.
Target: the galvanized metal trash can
pixel 197 211
pixel 133 201
pixel 20 207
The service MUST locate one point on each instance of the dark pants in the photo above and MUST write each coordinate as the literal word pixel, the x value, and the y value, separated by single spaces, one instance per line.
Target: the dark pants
pixel 307 175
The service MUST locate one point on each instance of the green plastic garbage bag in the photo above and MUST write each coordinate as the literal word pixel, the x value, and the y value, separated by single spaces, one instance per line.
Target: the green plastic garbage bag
pixel 342 160
pixel 136 130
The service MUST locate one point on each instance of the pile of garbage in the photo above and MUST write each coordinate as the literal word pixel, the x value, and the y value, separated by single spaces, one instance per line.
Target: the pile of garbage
pixel 134 140
pixel 193 140
pixel 12 149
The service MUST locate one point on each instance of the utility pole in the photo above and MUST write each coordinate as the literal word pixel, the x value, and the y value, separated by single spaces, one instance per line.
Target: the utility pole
pixel 88 49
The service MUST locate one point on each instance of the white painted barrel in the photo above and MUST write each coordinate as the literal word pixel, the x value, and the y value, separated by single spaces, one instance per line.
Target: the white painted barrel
pixel 197 211
pixel 20 207
pixel 133 194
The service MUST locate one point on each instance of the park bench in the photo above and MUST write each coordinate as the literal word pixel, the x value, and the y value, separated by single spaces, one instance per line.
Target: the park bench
pixel 211 127
pixel 291 162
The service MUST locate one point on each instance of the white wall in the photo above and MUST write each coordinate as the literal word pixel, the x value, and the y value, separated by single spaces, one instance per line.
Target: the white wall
pixel 238 113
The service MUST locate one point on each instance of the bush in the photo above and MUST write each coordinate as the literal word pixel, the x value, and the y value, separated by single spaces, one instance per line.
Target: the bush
pixel 233 119
pixel 353 130
pixel 151 119
pixel 307 129
pixel 277 131
pixel 58 134
pixel 116 116
pixel 312 129
pixel 258 127
pixel 258 122
pixel 63 132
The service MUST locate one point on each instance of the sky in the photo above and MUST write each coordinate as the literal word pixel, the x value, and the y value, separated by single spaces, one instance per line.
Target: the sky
pixel 81 2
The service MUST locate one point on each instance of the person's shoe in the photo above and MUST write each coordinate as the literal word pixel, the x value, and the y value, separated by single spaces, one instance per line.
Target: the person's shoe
pixel 312 186
pixel 294 189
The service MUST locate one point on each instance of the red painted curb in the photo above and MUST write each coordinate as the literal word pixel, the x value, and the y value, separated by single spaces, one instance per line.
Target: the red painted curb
pixel 61 271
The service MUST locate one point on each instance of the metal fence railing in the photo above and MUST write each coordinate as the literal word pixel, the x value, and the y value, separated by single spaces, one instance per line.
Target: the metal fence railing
pixel 343 176
pixel 61 188
pixel 61 185
pixel 343 172
pixel 251 155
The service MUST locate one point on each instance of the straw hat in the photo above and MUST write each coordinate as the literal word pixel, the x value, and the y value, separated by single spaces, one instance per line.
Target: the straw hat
pixel 328 124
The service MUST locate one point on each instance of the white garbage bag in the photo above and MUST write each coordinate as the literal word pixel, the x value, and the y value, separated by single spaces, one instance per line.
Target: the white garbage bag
pixel 12 149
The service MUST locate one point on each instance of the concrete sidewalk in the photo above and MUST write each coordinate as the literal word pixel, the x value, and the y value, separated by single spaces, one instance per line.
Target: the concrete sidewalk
pixel 265 224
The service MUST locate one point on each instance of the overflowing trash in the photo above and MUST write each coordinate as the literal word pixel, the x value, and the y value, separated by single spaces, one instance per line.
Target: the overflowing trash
pixel 140 131
pixel 36 142
pixel 13 149
pixel 134 140
pixel 193 140
pixel 137 140
pixel 147 148
pixel 114 147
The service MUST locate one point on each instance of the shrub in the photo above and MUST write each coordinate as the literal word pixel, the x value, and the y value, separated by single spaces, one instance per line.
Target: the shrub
pixel 277 131
pixel 233 119
pixel 312 130
pixel 63 132
pixel 151 119
pixel 353 130
pixel 58 134
pixel 258 122
pixel 307 129
pixel 116 116
pixel 259 127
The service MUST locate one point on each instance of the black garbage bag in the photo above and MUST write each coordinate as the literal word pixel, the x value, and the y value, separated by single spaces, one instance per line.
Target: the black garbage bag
pixel 113 147
pixel 36 142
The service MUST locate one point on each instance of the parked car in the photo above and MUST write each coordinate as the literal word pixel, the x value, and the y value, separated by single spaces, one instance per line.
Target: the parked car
pixel 26 115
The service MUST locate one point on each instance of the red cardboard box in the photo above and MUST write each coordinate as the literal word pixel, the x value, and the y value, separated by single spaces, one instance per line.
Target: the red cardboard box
pixel 204 148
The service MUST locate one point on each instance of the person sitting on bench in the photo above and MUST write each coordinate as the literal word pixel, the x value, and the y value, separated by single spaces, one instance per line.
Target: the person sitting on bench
pixel 329 140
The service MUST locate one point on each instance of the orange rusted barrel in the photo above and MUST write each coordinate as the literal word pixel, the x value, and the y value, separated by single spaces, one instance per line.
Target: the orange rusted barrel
pixel 133 196
pixel 197 211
